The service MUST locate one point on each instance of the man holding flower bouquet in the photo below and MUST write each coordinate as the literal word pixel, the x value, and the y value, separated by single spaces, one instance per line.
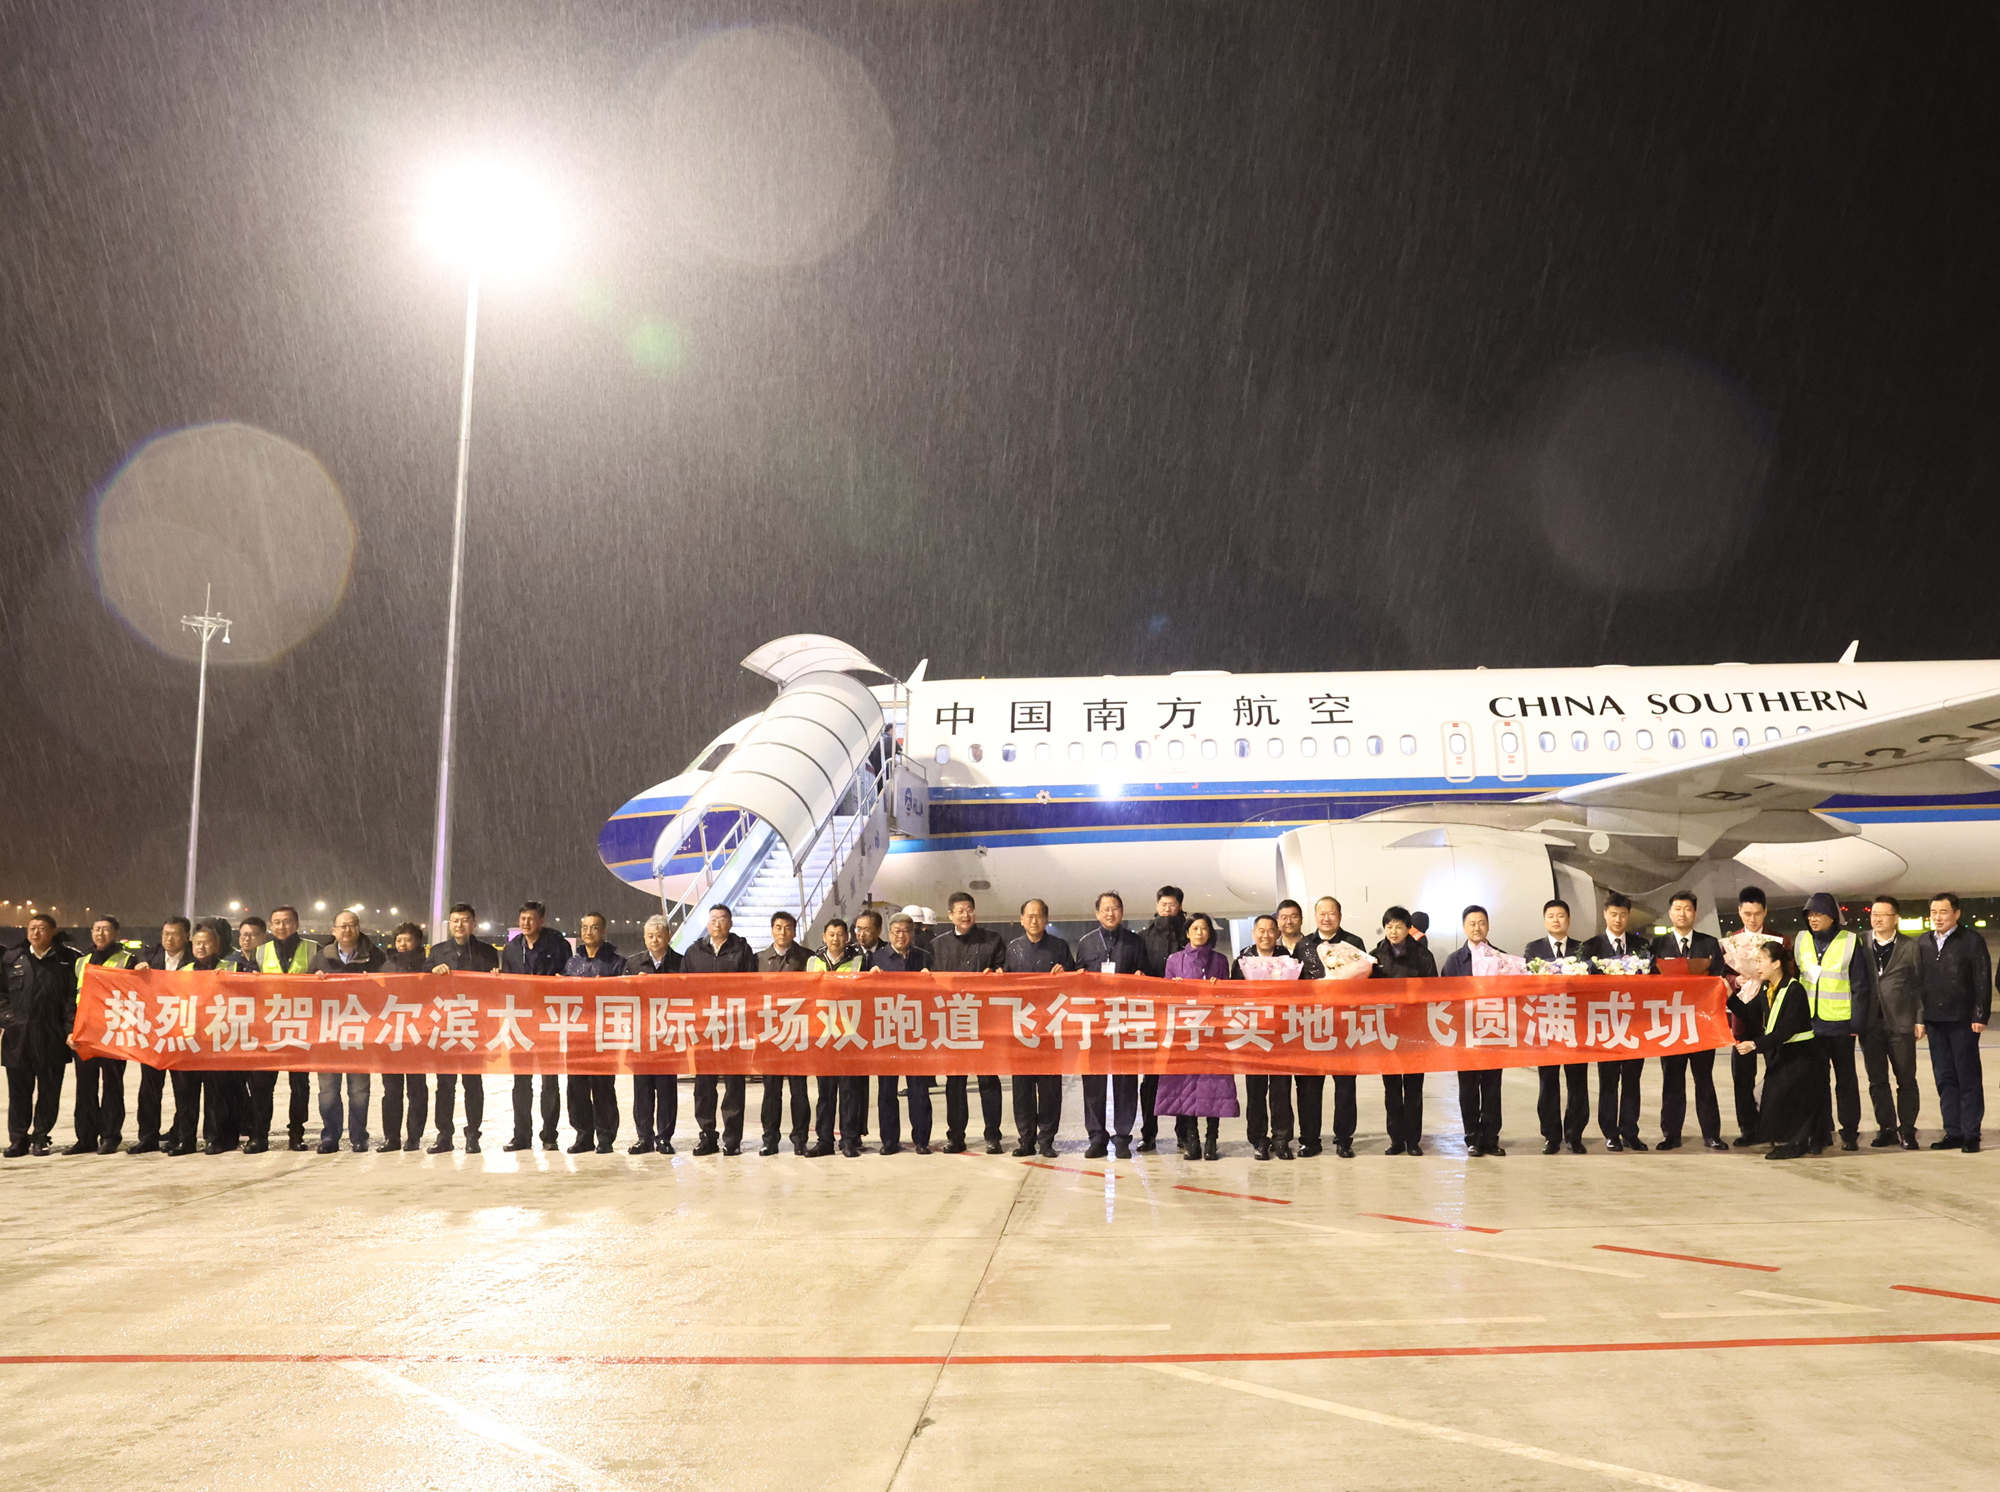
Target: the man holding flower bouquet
pixel 1616 951
pixel 1562 1118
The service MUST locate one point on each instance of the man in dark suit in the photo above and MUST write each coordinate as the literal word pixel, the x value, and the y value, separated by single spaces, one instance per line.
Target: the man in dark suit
pixel 1957 991
pixel 1562 1121
pixel 1618 1082
pixel 1684 942
pixel 1310 1091
pixel 1478 1092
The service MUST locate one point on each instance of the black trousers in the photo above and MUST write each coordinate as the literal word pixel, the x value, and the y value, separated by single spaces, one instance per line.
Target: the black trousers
pixel 263 1104
pixel 1037 1110
pixel 1674 1070
pixel 1564 1105
pixel 826 1111
pixel 888 1115
pixel 100 1100
pixel 1346 1112
pixel 1618 1098
pixel 958 1108
pixel 187 1108
pixel 1842 1098
pixel 524 1109
pixel 447 1098
pixel 1479 1107
pixel 1743 1079
pixel 152 1093
pixel 225 1107
pixel 850 1105
pixel 656 1106
pixel 1884 1052
pixel 1267 1108
pixel 1149 1118
pixel 1124 1107
pixel 1403 1103
pixel 1956 1071
pixel 593 1109
pixel 34 1102
pixel 1309 1100
pixel 732 1108
pixel 394 1087
pixel 772 1110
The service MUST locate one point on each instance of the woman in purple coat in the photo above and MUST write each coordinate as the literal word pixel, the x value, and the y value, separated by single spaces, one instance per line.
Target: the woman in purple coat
pixel 1196 1095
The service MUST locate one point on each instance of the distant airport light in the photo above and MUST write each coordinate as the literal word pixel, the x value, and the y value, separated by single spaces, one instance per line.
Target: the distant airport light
pixel 319 906
pixel 392 911
pixel 236 906
pixel 489 216
pixel 483 927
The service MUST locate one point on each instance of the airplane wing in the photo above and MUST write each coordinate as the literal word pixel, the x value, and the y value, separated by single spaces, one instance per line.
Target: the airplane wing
pixel 1915 752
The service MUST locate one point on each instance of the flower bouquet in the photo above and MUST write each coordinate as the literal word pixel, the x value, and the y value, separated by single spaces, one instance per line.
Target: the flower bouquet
pixel 1345 961
pixel 1486 959
pixel 1277 966
pixel 1563 966
pixel 1631 964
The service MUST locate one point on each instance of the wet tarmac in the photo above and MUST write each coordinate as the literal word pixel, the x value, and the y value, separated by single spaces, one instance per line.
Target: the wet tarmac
pixel 1678 1320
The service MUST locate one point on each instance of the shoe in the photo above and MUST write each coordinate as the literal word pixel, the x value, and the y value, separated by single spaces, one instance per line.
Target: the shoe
pixel 729 1150
pixel 297 1142
pixel 850 1149
pixel 954 1147
pixel 439 1146
pixel 1671 1144
pixel 1949 1142
pixel 415 1146
pixel 1047 1150
pixel 798 1145
pixel 551 1142
pixel 769 1147
pixel 1783 1152
pixel 215 1147
pixel 1473 1152
pixel 16 1150
pixel 1552 1147
pixel 1283 1150
pixel 1148 1144
pixel 41 1147
pixel 326 1147
pixel 1575 1147
pixel 663 1147
pixel 110 1147
pixel 1343 1148
pixel 1210 1150
pixel 1261 1151
pixel 1850 1142
pixel 1744 1142
pixel 706 1145
pixel 1713 1142
pixel 1191 1150
pixel 1097 1151
pixel 604 1147
pixel 1495 1150
pixel 1614 1145
pixel 386 1146
pixel 1025 1148
pixel 1415 1147
pixel 1883 1139
pixel 817 1150
pixel 1635 1143
pixel 1971 1146
pixel 922 1147
pixel 81 1147
pixel 639 1147
pixel 1816 1149
pixel 1395 1148
pixel 256 1147
pixel 579 1146
pixel 1122 1149
pixel 1907 1139
pixel 1309 1149
pixel 144 1147
pixel 517 1143
pixel 890 1147
pixel 996 1147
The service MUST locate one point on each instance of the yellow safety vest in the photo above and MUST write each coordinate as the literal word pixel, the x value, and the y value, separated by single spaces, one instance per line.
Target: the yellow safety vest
pixel 302 957
pixel 1772 999
pixel 119 959
pixel 1828 984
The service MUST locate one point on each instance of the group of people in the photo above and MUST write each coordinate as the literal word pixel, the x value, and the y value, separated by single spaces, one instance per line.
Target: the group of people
pixel 1803 1007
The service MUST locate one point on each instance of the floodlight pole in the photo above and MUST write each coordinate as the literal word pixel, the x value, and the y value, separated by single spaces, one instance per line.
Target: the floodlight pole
pixel 205 626
pixel 441 849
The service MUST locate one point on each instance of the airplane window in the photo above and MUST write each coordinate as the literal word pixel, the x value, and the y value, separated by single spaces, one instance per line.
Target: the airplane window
pixel 1208 751
pixel 1142 749
pixel 1408 745
pixel 1109 751
pixel 1579 741
pixel 978 753
pixel 1374 745
pixel 943 755
pixel 1708 740
pixel 1308 746
pixel 1242 747
pixel 1805 730
pixel 1772 733
pixel 1076 751
pixel 1275 746
pixel 1041 751
pixel 1545 741
pixel 1340 746
pixel 1008 753
pixel 1509 742
pixel 1611 740
pixel 1643 739
pixel 1740 736
pixel 1677 739
pixel 1176 749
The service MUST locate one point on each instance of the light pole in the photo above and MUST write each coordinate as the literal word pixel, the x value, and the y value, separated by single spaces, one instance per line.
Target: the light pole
pixel 483 216
pixel 205 627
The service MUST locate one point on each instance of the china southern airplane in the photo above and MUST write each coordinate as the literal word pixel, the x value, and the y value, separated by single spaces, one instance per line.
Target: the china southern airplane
pixel 1433 789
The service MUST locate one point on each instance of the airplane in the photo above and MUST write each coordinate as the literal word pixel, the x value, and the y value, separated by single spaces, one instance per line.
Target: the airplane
pixel 1429 789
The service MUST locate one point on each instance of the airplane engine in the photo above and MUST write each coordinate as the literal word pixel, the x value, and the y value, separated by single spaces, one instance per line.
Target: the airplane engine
pixel 1435 868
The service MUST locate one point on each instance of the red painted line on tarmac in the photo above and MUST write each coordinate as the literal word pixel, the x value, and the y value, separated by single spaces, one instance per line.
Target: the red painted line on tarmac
pixel 1042 1165
pixel 1427 1222
pixel 1619 1248
pixel 1210 1191
pixel 1948 1294
pixel 935 1360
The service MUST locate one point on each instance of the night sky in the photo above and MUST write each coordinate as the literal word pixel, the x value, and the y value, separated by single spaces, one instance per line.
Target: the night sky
pixel 1057 338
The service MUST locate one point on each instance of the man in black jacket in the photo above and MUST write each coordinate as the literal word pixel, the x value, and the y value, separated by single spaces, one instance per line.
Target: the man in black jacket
pixel 1038 1098
pixel 1478 1088
pixel 1682 941
pixel 464 954
pixel 37 1012
pixel 542 951
pixel 1618 1081
pixel 1957 988
pixel 405 956
pixel 899 955
pixel 350 952
pixel 786 955
pixel 593 1097
pixel 1564 1104
pixel 656 1096
pixel 172 952
pixel 100 1081
pixel 1163 937
pixel 1311 1090
pixel 720 952
pixel 1889 1042
pixel 963 948
pixel 1110 948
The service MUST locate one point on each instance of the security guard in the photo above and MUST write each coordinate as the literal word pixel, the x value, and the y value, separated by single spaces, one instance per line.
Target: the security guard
pixel 1790 1103
pixel 1840 988
pixel 100 1081
pixel 849 1095
pixel 284 952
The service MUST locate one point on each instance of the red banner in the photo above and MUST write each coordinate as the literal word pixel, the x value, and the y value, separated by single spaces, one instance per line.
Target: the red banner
pixel 883 1023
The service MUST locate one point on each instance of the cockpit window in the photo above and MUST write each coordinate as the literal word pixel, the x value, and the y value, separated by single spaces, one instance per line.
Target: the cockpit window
pixel 714 758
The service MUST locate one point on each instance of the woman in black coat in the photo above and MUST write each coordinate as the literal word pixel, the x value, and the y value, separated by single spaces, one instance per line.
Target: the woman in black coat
pixel 1400 956
pixel 406 958
pixel 1794 1086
